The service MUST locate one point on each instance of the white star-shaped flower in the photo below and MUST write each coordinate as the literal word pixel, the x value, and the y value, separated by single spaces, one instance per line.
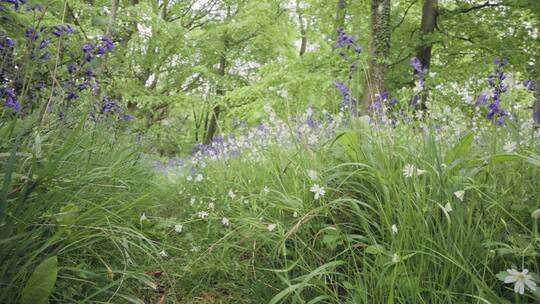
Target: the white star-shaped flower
pixel 318 191
pixel 520 280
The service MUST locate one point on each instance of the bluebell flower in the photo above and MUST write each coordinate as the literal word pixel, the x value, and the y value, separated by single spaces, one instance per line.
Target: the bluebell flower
pixel 71 96
pixel 45 56
pixel 61 115
pixel 417 65
pixel 29 33
pixel 343 39
pixel 88 57
pixel 109 44
pixel 11 100
pixel 536 114
pixel 72 68
pixel 481 99
pixel 87 47
pixel 83 86
pixel 530 85
pixel 44 43
pixel 392 102
pixel 100 50
pixel 415 100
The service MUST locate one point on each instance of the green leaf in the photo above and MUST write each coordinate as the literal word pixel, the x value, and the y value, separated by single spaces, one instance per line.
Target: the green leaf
pixel 502 275
pixel 350 142
pixel 41 283
pixel 461 149
pixel 504 157
pixel 375 249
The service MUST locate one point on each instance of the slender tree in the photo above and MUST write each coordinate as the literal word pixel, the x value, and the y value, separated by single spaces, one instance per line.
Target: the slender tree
pixel 379 48
pixel 427 27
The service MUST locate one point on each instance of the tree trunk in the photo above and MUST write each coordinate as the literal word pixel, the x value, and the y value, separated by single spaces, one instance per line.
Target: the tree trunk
pixel 429 20
pixel 303 34
pixel 112 18
pixel 379 48
pixel 213 124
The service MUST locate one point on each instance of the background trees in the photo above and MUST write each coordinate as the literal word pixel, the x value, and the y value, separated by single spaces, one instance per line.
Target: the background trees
pixel 188 70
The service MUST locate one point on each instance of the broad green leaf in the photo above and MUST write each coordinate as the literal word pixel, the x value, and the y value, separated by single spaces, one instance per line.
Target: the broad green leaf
pixel 461 149
pixel 41 283
pixel 350 142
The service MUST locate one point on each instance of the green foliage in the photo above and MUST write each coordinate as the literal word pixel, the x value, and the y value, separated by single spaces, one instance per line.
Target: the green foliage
pixel 40 286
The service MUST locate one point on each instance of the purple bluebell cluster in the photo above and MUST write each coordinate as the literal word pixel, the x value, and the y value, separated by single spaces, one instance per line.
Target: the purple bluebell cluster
pixel 249 143
pixel 6 42
pixel 348 102
pixel 109 108
pixel 344 40
pixel 530 85
pixel 101 48
pixel 496 82
pixel 346 43
pixel 420 87
pixel 15 3
pixel 10 100
pixel 378 102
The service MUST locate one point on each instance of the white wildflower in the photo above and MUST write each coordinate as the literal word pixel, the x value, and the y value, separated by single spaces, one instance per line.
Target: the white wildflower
pixel 271 227
pixel 318 191
pixel 409 170
pixel 189 178
pixel 394 229
pixel 420 172
pixel 199 178
pixel 143 217
pixel 178 228
pixel 448 208
pixel 295 214
pixel 163 253
pixel 211 206
pixel 225 221
pixel 231 194
pixel 520 280
pixel 266 189
pixel 459 194
pixel 396 258
pixel 510 147
pixel 192 201
pixel 202 215
pixel 312 174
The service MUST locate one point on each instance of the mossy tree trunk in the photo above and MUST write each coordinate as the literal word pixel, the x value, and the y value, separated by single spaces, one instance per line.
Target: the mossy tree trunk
pixel 379 48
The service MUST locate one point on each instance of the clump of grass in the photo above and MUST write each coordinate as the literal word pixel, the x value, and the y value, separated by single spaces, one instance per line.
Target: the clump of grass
pixel 71 191
pixel 440 233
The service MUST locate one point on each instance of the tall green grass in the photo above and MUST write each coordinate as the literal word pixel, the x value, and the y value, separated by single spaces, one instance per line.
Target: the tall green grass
pixel 343 248
pixel 69 214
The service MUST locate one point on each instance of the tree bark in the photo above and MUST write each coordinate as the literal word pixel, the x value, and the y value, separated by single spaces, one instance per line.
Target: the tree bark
pixel 379 48
pixel 220 91
pixel 427 26
pixel 303 34
pixel 112 18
